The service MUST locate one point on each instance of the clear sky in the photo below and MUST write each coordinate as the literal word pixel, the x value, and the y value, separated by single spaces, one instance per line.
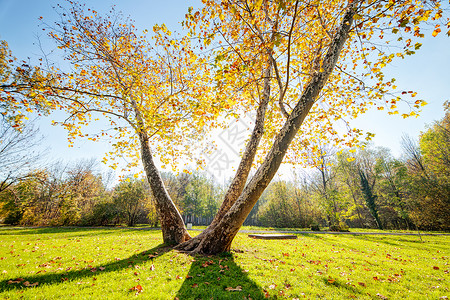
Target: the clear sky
pixel 427 72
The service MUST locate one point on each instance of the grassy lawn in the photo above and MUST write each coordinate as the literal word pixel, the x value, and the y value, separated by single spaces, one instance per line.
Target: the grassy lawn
pixel 49 263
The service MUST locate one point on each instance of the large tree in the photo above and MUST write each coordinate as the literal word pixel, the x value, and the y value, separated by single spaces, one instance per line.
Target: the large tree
pixel 293 62
pixel 150 95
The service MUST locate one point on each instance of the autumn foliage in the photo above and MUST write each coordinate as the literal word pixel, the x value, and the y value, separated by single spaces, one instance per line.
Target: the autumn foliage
pixel 303 68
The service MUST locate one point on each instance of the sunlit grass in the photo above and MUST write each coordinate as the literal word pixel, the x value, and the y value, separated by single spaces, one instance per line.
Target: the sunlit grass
pixel 124 263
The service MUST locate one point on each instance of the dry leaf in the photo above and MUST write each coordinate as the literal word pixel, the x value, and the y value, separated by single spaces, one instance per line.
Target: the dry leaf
pixel 195 285
pixel 138 288
pixel 152 268
pixel 28 284
pixel 231 289
pixel 362 284
pixel 18 280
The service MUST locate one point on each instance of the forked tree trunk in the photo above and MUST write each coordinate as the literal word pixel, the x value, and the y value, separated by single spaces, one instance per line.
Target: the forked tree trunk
pixel 218 238
pixel 237 185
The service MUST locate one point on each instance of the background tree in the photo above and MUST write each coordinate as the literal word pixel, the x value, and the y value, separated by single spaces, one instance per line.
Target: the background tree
pixel 427 164
pixel 19 153
pixel 130 197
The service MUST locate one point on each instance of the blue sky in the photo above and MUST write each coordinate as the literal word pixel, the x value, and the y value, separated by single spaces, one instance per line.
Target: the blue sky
pixel 426 72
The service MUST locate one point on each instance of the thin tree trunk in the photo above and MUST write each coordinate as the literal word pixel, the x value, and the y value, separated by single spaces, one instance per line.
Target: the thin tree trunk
pixel 172 225
pixel 219 238
pixel 240 178
pixel 173 229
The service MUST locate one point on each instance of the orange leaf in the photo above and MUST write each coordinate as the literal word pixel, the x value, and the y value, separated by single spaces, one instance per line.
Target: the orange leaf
pixel 137 288
pixel 436 31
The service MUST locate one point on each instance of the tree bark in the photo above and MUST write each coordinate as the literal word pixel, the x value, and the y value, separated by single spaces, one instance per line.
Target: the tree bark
pixel 173 229
pixel 218 239
pixel 237 185
pixel 172 225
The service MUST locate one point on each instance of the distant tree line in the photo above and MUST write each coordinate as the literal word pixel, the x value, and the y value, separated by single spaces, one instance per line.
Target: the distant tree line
pixel 365 188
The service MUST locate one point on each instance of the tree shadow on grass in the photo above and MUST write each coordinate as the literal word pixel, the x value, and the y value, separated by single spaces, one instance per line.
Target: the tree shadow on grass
pixel 218 277
pixel 77 275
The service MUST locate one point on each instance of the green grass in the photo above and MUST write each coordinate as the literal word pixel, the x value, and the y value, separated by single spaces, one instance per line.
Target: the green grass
pixel 83 263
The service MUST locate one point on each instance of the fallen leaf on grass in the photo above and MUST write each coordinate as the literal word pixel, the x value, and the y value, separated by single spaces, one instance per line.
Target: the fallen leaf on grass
pixel 18 280
pixel 207 263
pixel 152 268
pixel 382 297
pixel 195 285
pixel 102 268
pixel 138 288
pixel 362 284
pixel 272 286
pixel 28 284
pixel 331 280
pixel 436 268
pixel 231 289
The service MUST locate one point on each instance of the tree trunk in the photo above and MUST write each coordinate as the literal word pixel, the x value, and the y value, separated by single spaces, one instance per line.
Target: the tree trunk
pixel 172 225
pixel 237 185
pixel 173 229
pixel 218 238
